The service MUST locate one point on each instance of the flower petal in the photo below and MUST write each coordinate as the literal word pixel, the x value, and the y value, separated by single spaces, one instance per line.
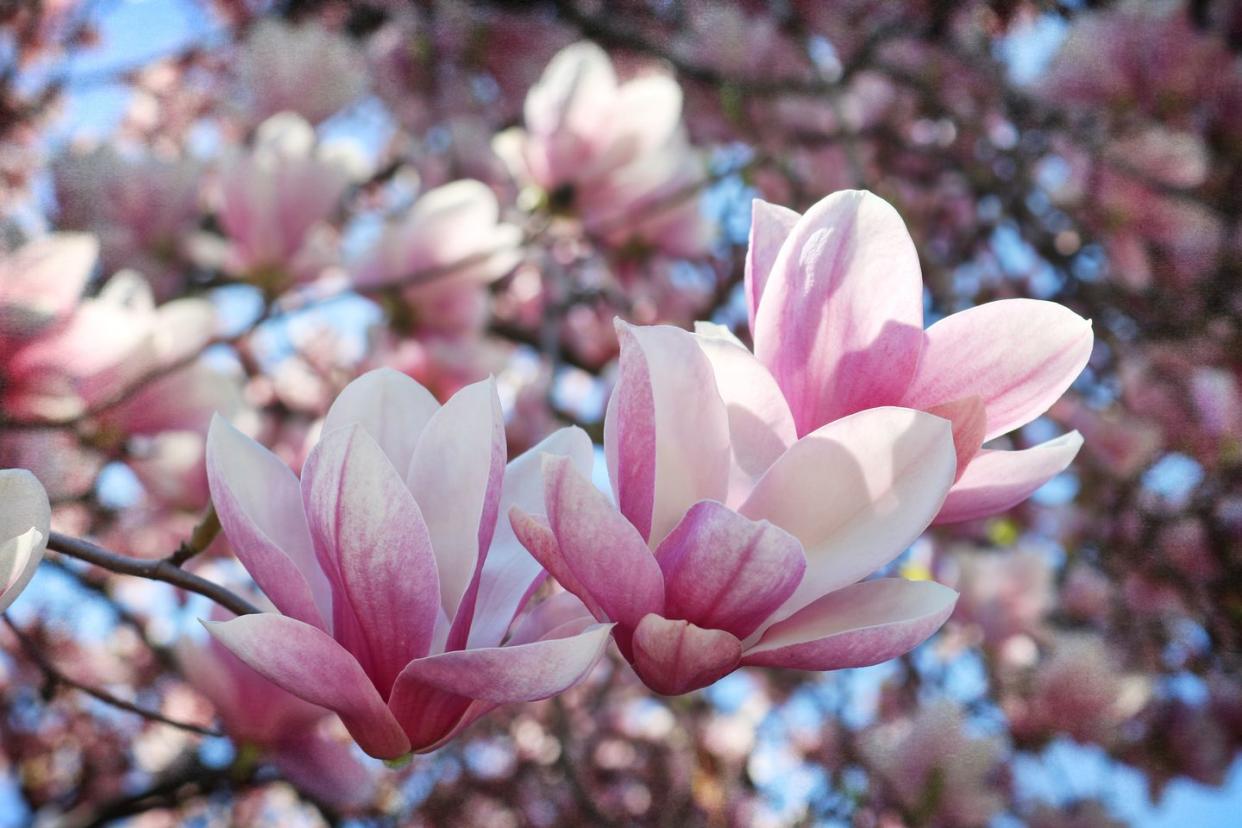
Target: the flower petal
pixel 760 425
pixel 770 225
pixel 856 492
pixel 600 548
pixel 840 325
pixel 456 475
pixel 324 768
pixel 725 572
pixel 372 542
pixel 856 626
pixel 1019 355
pixel 43 280
pixel 666 434
pixel 675 657
pixel 969 419
pixel 260 507
pixel 306 661
pixel 509 572
pixel 392 407
pixel 999 480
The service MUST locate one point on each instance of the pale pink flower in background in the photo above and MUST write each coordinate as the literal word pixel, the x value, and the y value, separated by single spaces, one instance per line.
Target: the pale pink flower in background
pixel 1087 594
pixel 836 314
pixel 614 154
pixel 25 523
pixel 726 547
pixel 1003 593
pixel 395 585
pixel 934 766
pixel 302 68
pixel 275 200
pixel 1119 442
pixel 284 729
pixel 41 283
pixel 442 253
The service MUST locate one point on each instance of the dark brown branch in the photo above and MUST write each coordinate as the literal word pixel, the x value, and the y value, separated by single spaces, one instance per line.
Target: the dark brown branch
pixel 156 570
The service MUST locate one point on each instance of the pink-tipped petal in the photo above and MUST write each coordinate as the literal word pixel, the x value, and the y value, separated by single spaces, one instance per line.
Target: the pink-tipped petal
pixel 999 480
pixel 260 507
pixel 970 420
pixel 856 626
pixel 306 661
pixel 675 657
pixel 1019 355
pixel 393 408
pixel 600 548
pixel 841 322
pixel 760 425
pixel 668 440
pixel 856 492
pixel 770 225
pixel 537 537
pixel 510 572
pixel 456 476
pixel 371 539
pixel 725 572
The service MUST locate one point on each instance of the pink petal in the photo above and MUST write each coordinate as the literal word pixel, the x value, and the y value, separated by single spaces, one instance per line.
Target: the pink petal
pixel 456 475
pixel 856 626
pixel 725 572
pixel 760 425
pixel 856 492
pixel 306 661
pixel 536 537
pixel 770 225
pixel 260 506
pixel 43 280
pixel 666 434
pixel 606 557
pixel 573 93
pixel 324 768
pixel 371 540
pixel 509 572
pixel 998 480
pixel 969 421
pixel 675 657
pixel 840 325
pixel 393 408
pixel 544 620
pixel 1019 355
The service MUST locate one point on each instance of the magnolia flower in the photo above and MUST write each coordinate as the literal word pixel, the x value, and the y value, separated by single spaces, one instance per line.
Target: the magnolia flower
pixel 274 202
pixel 395 587
pixel 25 523
pixel 450 244
pixel 299 68
pixel 615 154
pixel 41 282
pixel 726 547
pixel 836 313
pixel 284 729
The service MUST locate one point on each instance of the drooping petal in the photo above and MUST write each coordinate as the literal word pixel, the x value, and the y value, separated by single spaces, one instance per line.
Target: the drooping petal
pixel 841 322
pixel 770 225
pixel 1019 355
pixel 306 661
pixel 260 506
pixel 856 492
pixel 675 657
pixel 371 540
pixel 667 432
pixel 760 425
pixel 857 626
pixel 998 480
pixel 456 475
pixel 510 572
pixel 392 407
pixel 725 572
pixel 324 768
pixel 970 420
pixel 605 555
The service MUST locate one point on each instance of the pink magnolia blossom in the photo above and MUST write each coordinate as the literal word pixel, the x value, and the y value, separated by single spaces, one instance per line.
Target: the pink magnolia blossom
pixel 286 730
pixel 450 244
pixel 395 586
pixel 836 313
pixel 302 68
pixel 614 154
pixel 727 547
pixel 274 202
pixel 25 522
